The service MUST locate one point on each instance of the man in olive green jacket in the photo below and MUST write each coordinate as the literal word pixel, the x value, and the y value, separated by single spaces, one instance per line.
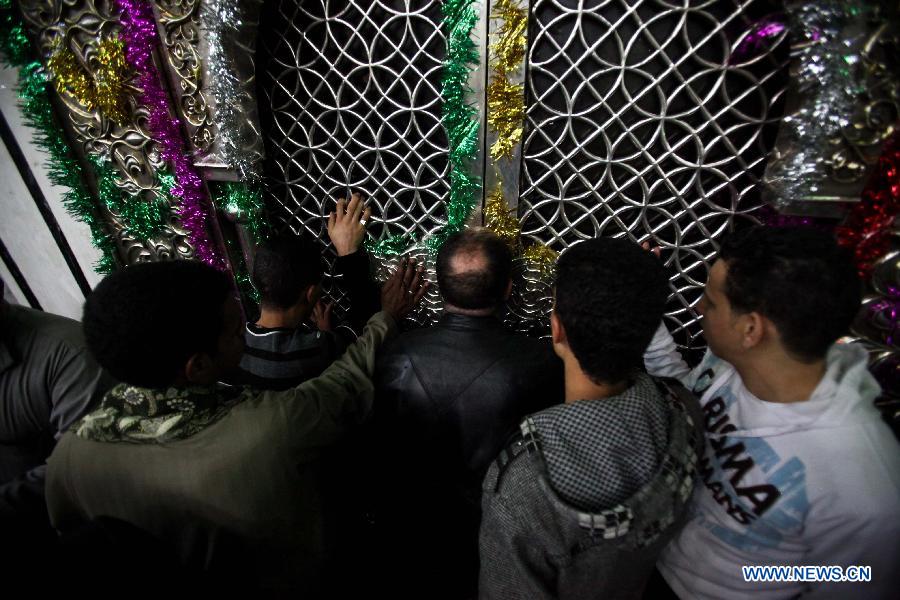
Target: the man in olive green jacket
pixel 194 462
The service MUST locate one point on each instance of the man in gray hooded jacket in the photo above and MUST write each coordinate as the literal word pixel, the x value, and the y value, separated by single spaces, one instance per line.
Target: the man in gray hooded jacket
pixel 582 501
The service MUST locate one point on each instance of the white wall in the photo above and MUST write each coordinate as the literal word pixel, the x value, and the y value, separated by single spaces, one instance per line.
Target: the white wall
pixel 24 231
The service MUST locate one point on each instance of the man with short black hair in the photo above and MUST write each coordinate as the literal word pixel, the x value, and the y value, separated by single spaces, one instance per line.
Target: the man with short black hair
pixel 194 462
pixel 282 349
pixel 447 399
pixel 799 469
pixel 582 501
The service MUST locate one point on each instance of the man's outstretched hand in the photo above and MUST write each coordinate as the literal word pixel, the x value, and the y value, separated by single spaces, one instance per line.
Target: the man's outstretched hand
pixel 347 225
pixel 403 289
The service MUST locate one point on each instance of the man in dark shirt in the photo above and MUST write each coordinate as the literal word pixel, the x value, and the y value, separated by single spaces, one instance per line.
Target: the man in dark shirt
pixel 48 380
pixel 197 464
pixel 447 398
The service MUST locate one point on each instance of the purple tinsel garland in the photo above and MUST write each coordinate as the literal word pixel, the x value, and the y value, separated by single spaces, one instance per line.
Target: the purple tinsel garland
pixel 140 38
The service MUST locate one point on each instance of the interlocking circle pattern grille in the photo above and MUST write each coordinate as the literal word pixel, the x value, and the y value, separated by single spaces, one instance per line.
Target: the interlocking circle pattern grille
pixel 350 95
pixel 643 121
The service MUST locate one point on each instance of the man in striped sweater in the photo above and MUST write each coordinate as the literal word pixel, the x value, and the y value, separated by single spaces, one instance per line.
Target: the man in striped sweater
pixel 282 348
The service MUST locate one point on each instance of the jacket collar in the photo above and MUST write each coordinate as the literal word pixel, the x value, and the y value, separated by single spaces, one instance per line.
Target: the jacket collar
pixel 465 322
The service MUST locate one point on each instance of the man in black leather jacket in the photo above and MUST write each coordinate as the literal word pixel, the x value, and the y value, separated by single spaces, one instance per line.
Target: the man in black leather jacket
pixel 447 399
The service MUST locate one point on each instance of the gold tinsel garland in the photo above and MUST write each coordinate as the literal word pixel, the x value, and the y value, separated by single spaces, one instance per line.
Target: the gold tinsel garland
pixel 506 117
pixel 105 89
pixel 509 49
pixel 541 256
pixel 499 218
pixel 506 113
pixel 506 100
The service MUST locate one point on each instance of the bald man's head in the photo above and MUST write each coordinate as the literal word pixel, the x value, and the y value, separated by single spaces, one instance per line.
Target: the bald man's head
pixel 473 269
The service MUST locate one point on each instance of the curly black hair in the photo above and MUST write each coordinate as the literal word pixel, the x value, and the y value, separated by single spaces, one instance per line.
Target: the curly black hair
pixel 799 278
pixel 479 289
pixel 610 297
pixel 144 322
pixel 283 267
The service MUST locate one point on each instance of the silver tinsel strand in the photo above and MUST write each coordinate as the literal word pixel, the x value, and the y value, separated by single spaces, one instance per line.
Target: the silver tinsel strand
pixel 230 27
pixel 826 39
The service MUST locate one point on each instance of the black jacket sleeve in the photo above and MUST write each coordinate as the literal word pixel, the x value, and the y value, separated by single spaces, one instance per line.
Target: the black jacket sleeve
pixel 361 290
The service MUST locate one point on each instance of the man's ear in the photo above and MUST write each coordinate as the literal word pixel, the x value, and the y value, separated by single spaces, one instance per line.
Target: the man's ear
pixel 508 291
pixel 752 329
pixel 557 330
pixel 200 369
pixel 311 294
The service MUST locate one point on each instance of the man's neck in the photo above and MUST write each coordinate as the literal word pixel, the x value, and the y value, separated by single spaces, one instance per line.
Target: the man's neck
pixel 780 378
pixel 581 387
pixel 273 318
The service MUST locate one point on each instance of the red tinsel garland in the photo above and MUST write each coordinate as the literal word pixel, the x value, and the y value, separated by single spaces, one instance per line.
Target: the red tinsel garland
pixel 868 226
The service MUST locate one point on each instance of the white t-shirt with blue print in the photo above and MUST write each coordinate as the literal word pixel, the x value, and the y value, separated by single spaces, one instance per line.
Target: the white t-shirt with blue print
pixel 807 483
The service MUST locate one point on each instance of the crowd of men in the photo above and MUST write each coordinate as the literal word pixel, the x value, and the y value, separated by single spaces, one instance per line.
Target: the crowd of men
pixel 164 444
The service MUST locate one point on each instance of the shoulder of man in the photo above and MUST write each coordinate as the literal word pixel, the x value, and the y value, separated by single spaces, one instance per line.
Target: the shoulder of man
pixel 684 399
pixel 43 328
pixel 691 423
pixel 518 465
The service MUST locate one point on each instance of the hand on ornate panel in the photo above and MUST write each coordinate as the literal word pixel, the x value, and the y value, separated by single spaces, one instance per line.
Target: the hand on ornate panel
pixel 347 224
pixel 321 315
pixel 351 100
pixel 404 289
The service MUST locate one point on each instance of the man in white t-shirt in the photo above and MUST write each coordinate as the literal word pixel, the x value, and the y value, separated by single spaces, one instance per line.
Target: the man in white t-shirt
pixel 799 468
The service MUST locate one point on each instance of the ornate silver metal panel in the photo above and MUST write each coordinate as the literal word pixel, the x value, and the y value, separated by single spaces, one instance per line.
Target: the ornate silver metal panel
pixel 351 101
pixel 186 47
pixel 80 24
pixel 179 22
pixel 639 125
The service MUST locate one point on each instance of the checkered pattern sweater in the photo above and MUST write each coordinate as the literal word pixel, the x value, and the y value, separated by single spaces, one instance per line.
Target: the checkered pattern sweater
pixel 583 501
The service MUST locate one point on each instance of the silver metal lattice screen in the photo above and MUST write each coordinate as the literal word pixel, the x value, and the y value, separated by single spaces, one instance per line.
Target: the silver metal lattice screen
pixel 350 101
pixel 640 122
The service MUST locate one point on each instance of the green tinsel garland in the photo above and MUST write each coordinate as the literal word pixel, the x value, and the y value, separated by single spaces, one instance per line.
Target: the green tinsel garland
pixel 390 246
pixel 242 274
pixel 244 202
pixel 461 125
pixel 245 283
pixel 62 169
pixel 15 46
pixel 242 278
pixel 459 117
pixel 142 218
